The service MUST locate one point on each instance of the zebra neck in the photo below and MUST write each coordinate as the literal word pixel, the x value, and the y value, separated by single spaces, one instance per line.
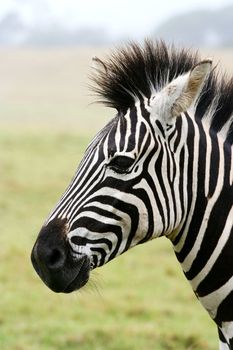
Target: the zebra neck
pixel 209 192
pixel 204 244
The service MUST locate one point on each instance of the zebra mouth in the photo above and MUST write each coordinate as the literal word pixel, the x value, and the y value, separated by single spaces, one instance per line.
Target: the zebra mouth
pixel 80 279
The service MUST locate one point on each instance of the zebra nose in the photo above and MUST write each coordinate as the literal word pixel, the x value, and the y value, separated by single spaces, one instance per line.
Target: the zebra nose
pixel 56 259
pixel 50 252
pixel 48 257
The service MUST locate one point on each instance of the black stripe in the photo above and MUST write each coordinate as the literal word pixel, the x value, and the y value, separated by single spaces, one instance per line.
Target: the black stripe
pixel 214 163
pixel 160 127
pixel 123 126
pixel 134 121
pixel 181 180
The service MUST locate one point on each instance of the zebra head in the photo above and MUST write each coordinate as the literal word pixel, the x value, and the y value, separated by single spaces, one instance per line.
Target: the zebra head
pixel 127 188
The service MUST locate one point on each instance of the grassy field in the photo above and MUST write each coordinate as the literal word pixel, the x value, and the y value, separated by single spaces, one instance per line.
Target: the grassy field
pixel 141 300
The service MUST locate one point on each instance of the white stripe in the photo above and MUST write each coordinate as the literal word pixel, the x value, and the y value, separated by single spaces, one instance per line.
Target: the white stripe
pixel 118 136
pixel 223 346
pixel 128 129
pixel 207 160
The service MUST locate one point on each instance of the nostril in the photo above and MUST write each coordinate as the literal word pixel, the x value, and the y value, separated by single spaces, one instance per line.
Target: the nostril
pixel 56 259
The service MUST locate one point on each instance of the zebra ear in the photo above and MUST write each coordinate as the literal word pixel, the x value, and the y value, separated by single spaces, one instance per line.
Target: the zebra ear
pixel 182 92
pixel 190 88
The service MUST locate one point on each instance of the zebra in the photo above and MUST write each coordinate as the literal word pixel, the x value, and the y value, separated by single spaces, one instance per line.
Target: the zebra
pixel 163 166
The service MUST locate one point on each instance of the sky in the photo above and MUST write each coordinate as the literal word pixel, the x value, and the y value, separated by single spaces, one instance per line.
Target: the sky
pixel 122 17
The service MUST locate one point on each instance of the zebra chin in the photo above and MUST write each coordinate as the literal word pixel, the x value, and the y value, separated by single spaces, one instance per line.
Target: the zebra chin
pixel 53 261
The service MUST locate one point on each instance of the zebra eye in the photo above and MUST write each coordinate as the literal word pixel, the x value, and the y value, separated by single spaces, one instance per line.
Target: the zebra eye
pixel 121 163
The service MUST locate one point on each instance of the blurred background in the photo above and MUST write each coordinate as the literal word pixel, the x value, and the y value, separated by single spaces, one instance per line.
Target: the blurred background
pixel 77 23
pixel 47 117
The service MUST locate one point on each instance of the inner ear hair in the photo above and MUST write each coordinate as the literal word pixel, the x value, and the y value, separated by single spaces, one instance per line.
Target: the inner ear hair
pixel 196 80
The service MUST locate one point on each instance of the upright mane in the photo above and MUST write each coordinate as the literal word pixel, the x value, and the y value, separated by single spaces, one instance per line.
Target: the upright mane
pixel 136 72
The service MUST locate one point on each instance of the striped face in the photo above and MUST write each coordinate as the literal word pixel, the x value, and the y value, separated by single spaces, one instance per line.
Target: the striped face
pixel 107 208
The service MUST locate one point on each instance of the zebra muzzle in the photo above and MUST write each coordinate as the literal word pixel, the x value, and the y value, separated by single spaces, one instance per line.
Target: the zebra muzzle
pixel 53 261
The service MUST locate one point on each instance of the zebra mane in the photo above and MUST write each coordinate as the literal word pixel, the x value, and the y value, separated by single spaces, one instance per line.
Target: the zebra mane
pixel 136 72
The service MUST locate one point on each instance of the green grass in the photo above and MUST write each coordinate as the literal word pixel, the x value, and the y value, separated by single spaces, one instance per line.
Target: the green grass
pixel 140 300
